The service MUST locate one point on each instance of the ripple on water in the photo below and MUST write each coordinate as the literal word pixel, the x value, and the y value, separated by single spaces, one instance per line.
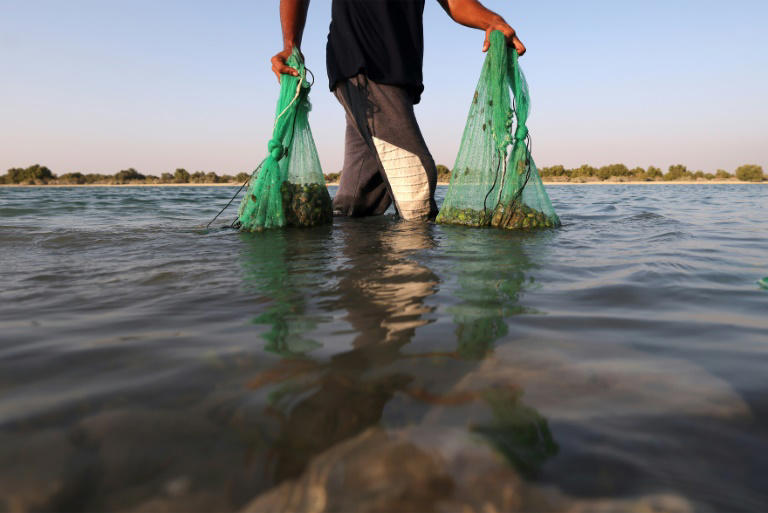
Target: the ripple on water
pixel 617 362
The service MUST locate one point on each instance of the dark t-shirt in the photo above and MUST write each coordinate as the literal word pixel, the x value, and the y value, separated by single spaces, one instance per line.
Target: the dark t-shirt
pixel 382 38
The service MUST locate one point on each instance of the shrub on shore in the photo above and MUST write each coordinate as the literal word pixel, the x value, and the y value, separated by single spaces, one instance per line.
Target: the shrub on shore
pixel 129 175
pixel 72 179
pixel 443 173
pixel 32 175
pixel 653 173
pixel 677 172
pixel 722 174
pixel 181 175
pixel 92 178
pixel 750 173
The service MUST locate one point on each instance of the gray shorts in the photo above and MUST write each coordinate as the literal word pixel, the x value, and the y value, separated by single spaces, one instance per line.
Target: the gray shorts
pixel 386 158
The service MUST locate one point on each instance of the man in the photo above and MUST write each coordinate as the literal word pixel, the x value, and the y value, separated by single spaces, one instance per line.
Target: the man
pixel 374 58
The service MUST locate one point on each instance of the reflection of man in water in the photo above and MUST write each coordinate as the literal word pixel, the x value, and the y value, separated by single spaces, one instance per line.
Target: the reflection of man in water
pixel 388 298
pixel 374 58
pixel 320 403
pixel 328 402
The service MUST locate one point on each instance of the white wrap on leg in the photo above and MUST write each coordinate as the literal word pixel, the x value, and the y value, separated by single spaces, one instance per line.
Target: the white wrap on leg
pixel 407 178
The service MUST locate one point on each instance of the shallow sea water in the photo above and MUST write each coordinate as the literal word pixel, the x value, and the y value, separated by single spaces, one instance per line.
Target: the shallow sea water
pixel 147 364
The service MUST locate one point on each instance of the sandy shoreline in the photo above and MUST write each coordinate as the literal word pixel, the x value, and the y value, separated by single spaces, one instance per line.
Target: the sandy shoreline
pixel 676 182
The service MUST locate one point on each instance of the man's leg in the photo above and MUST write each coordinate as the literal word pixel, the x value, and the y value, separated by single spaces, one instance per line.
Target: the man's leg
pixel 362 189
pixel 385 121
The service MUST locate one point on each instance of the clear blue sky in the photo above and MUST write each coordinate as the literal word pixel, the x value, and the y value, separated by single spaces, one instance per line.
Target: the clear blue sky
pixel 101 85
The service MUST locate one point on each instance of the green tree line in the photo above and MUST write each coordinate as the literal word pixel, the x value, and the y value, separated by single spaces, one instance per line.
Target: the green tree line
pixel 620 172
pixel 41 175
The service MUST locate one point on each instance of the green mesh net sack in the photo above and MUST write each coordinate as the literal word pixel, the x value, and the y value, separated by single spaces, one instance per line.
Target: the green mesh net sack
pixel 491 186
pixel 288 188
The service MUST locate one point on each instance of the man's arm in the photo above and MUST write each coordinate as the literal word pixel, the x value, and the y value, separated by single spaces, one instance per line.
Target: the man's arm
pixel 293 16
pixel 471 13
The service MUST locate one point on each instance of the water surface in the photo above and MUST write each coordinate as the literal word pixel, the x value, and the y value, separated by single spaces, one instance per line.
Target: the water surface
pixel 148 364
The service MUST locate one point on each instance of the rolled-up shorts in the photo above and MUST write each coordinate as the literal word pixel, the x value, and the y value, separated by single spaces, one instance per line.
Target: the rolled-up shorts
pixel 386 159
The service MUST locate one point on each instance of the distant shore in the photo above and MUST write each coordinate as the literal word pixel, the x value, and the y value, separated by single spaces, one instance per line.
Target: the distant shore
pixel 673 182
pixel 554 175
pixel 548 183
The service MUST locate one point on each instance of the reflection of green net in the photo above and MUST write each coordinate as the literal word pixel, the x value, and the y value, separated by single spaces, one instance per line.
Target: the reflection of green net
pixel 518 432
pixel 290 187
pixel 488 289
pixel 490 186
pixel 268 273
pixel 286 336
pixel 475 335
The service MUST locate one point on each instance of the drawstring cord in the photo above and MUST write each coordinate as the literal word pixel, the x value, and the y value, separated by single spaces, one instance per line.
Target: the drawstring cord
pixel 521 135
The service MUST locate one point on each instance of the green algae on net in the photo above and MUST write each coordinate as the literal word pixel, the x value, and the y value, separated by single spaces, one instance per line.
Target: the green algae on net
pixel 516 217
pixel 306 205
pixel 522 217
pixel 303 206
pixel 463 216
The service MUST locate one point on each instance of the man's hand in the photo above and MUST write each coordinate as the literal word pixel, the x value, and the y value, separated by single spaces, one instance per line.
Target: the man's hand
pixel 509 33
pixel 293 16
pixel 471 13
pixel 279 66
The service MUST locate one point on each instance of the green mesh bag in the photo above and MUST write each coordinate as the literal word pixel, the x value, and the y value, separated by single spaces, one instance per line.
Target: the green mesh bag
pixel 489 185
pixel 288 188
